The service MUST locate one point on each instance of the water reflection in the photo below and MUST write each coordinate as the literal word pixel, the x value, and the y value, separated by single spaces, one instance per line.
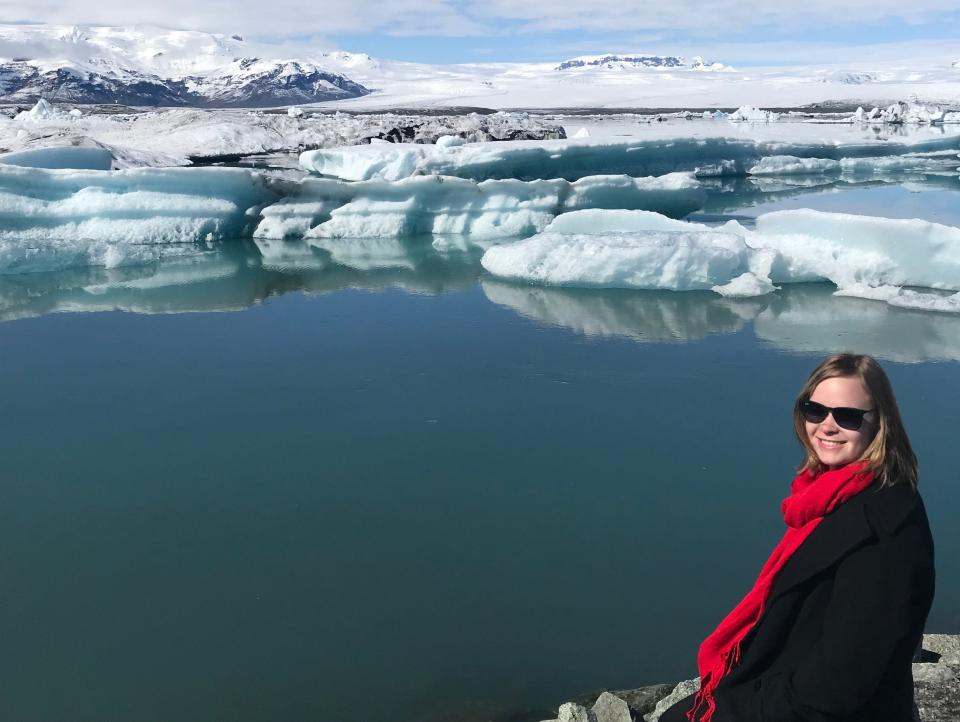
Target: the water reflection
pixel 645 316
pixel 725 195
pixel 230 279
pixel 804 318
pixel 798 318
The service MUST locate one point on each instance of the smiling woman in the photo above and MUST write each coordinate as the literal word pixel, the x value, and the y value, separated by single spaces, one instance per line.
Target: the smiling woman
pixel 829 630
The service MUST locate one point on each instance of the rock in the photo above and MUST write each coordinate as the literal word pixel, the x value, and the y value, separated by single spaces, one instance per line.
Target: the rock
pixel 933 673
pixel 685 688
pixel 946 646
pixel 571 712
pixel 643 700
pixel 610 708
pixel 936 692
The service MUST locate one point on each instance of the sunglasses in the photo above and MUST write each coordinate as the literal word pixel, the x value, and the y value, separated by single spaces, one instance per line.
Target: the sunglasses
pixel 844 416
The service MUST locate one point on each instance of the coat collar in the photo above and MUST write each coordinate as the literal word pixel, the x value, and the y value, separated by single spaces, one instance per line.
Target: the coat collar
pixel 873 512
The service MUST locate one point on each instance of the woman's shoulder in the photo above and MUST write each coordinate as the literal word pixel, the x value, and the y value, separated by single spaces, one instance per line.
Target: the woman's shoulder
pixel 898 518
pixel 890 507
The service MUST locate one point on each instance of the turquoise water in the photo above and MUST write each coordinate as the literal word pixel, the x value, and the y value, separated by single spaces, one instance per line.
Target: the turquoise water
pixel 408 493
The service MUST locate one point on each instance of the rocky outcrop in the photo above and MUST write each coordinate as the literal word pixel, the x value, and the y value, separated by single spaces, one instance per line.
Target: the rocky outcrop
pixel 936 678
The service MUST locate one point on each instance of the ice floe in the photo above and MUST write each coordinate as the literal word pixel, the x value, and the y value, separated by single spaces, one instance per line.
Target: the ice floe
pixel 321 208
pixel 62 218
pixel 573 159
pixel 862 255
pixel 673 260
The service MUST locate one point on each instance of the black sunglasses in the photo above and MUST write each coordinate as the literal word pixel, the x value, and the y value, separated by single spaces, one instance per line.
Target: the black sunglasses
pixel 844 416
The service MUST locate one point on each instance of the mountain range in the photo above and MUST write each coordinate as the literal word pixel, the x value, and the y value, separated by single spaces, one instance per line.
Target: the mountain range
pixel 157 67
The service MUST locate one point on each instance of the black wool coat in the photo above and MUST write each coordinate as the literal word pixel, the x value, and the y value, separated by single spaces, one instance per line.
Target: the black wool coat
pixel 844 618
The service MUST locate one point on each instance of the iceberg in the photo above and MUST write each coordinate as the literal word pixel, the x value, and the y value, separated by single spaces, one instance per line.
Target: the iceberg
pixel 439 205
pixel 62 218
pixel 574 159
pixel 778 165
pixel 861 255
pixel 673 260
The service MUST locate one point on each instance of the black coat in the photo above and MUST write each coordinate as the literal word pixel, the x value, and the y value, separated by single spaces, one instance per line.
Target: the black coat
pixel 843 621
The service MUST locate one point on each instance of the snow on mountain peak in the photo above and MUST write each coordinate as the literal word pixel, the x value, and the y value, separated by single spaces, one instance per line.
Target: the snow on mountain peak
pixel 148 65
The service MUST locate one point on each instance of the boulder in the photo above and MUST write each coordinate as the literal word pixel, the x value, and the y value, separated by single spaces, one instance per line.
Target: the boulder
pixel 610 708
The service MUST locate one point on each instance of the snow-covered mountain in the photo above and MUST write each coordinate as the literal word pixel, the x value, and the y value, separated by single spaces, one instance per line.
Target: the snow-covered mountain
pixel 633 62
pixel 153 66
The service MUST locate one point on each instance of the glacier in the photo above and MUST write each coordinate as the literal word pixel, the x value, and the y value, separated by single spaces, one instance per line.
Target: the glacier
pixel 576 158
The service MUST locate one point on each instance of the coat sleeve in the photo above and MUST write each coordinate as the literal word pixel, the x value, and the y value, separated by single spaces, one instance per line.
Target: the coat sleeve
pixel 881 595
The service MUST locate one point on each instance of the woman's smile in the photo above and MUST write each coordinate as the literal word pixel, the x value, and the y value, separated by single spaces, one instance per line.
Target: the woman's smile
pixel 835 445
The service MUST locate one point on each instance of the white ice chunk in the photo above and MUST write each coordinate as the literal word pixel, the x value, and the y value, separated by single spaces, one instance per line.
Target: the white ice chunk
pixel 905 298
pixel 573 159
pixel 323 208
pixel 449 141
pixel 65 157
pixel 62 218
pixel 746 286
pixel 617 221
pixel 656 259
pixel 627 249
pixel 788 164
pixel 850 249
pixel 755 115
pixel 778 165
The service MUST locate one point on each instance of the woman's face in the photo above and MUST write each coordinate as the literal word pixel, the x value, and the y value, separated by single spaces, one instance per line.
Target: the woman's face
pixel 834 445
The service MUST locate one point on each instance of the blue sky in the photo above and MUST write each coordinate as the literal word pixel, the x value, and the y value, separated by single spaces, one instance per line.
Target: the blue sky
pixel 749 46
pixel 735 32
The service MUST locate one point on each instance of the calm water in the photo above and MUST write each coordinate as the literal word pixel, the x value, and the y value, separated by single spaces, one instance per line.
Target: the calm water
pixel 410 492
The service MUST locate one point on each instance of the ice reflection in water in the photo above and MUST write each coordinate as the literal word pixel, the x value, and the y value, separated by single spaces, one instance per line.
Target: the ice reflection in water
pixel 805 318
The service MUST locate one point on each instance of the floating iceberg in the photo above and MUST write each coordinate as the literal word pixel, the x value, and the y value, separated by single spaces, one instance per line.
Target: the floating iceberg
pixel 754 115
pixel 62 218
pixel 322 208
pixel 673 260
pixel 862 255
pixel 777 165
pixel 573 159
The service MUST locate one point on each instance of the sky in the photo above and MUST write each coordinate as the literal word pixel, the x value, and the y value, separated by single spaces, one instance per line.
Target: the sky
pixel 734 32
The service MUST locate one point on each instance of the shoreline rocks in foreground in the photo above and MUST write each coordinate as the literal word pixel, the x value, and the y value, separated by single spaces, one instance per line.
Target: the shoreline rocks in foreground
pixel 936 677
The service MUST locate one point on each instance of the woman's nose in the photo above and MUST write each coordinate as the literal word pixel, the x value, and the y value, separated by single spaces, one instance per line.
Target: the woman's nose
pixel 828 425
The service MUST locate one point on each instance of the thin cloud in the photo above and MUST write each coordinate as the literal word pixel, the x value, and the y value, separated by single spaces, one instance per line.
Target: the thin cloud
pixel 466 18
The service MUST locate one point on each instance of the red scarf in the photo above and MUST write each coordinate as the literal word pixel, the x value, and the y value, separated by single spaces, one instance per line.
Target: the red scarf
pixel 811 498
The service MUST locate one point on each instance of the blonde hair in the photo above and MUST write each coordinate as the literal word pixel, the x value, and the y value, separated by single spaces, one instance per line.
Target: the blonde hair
pixel 889 455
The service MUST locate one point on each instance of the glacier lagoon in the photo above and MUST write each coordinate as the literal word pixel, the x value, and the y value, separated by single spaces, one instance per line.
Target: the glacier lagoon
pixel 365 479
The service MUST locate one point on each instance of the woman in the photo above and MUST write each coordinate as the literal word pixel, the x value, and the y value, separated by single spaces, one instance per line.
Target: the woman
pixel 828 632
